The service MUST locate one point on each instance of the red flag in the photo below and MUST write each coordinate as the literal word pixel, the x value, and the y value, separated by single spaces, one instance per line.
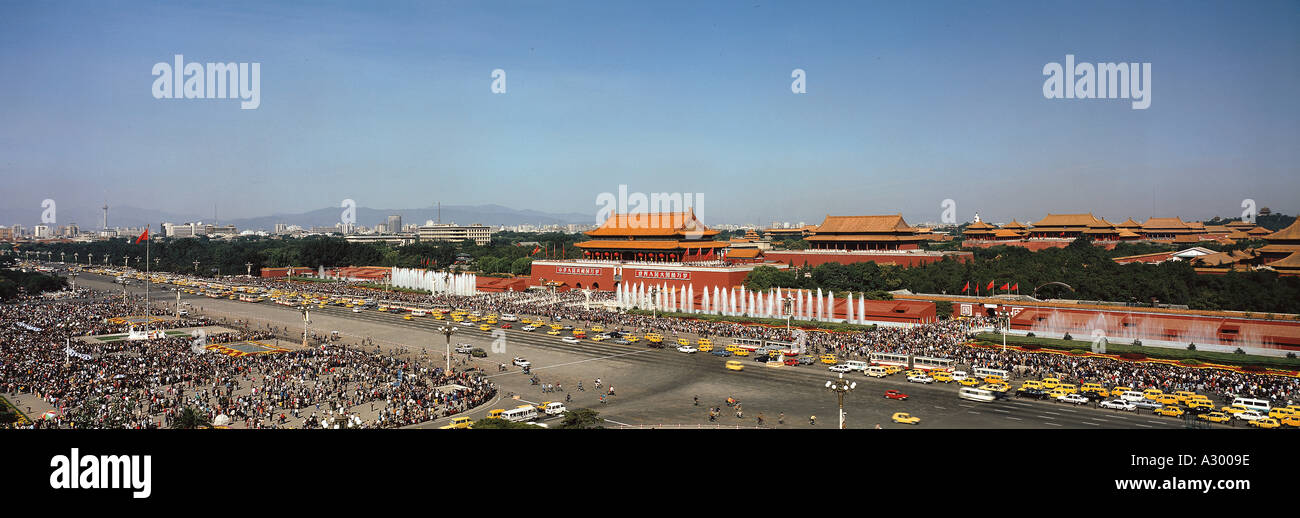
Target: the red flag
pixel 966 288
pixel 535 250
pixel 143 236
pixel 990 286
pixel 1006 286
pixel 1016 286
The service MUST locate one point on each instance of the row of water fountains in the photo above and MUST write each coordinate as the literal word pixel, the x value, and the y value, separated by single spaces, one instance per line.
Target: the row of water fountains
pixel 434 282
pixel 804 304
pixel 1127 327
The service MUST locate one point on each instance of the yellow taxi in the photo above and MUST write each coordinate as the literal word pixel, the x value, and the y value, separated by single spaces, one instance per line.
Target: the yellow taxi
pixel 1267 422
pixel 733 365
pixel 913 372
pixel 1169 411
pixel 1167 399
pixel 383 308
pixel 942 376
pixel 459 423
pixel 1183 395
pixel 484 327
pixel 654 338
pixel 1091 387
pixel 683 342
pixel 495 413
pixel 969 382
pixel 1292 420
pixel 1067 388
pixel 553 332
pixel 828 359
pixel 731 348
pixel 580 333
pixel 705 346
pixel 439 316
pixel 1200 404
pixel 541 407
pixel 704 341
pixel 741 352
pixel 1233 409
pixel 556 327
pixel 905 418
pixel 892 369
pixel 1056 394
pixel 597 329
pixel 1152 393
pixel 996 387
pixel 1280 413
pixel 1214 417
pixel 993 378
pixel 598 338
pixel 632 338
pixel 1050 383
pixel 1031 385
pixel 407 317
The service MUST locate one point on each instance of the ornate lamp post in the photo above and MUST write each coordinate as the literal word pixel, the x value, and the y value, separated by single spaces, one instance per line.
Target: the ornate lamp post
pixel 306 319
pixel 447 332
pixel 841 387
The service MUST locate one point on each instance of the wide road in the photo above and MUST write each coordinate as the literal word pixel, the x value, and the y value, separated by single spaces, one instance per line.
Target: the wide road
pixel 656 387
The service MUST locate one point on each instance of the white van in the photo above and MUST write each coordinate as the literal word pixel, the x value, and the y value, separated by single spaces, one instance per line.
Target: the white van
pixel 975 394
pixel 1258 405
pixel 856 365
pixel 555 409
pixel 1133 396
pixel 959 375
pixel 519 415
pixel 509 317
pixel 876 371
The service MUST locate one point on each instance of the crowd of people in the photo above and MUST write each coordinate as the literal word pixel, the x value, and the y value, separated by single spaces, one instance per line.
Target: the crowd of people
pixel 149 383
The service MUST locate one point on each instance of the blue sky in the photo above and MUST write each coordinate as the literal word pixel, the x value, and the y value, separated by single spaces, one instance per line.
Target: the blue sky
pixel 908 104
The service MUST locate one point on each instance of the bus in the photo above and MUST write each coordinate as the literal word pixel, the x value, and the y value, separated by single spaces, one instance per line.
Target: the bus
pixel 1258 405
pixel 985 373
pixel 976 394
pixel 931 363
pixel 901 360
pixel 750 344
pixel 521 414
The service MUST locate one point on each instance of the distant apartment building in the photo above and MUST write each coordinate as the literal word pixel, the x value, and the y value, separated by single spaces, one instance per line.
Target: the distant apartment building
pixel 41 231
pixel 394 224
pixel 430 231
pixel 7 234
pixel 183 230
pixel 281 228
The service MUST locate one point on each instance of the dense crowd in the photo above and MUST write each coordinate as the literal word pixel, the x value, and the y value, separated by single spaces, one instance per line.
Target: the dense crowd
pixel 148 383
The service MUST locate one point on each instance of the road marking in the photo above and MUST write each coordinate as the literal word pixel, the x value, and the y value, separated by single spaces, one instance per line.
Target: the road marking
pixel 1091 423
pixel 1050 412
pixel 1156 422
pixel 972 412
pixel 1001 410
pixel 940 407
pixel 1016 418
pixel 1144 425
pixel 1053 424
pixel 1046 417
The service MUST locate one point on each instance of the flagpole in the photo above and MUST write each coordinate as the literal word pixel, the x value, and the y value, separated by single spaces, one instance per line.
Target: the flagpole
pixel 148 280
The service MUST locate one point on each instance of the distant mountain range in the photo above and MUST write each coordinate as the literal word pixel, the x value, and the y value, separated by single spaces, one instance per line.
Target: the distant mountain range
pixel 494 215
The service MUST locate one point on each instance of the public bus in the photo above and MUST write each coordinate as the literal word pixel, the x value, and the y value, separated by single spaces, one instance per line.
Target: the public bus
pixel 931 363
pixel 750 344
pixel 985 373
pixel 521 414
pixel 900 360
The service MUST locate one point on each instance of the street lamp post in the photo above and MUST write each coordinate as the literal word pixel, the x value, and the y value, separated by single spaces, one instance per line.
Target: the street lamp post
pixel 841 387
pixel 447 332
pixel 306 319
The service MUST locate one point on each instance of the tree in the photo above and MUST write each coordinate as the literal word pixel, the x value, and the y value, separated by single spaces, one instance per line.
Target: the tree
pixel 189 419
pixel 501 424
pixel 581 418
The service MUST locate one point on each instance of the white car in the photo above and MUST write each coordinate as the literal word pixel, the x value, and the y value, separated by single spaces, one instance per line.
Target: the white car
pixel 1249 415
pixel 1073 399
pixel 959 375
pixel 464 348
pixel 1118 404
pixel 529 328
pixel 356 310
pixel 840 368
pixel 569 340
pixel 920 379
pixel 520 361
pixel 687 349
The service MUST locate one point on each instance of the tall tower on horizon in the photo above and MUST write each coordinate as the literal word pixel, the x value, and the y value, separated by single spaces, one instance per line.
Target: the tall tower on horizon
pixel 105 215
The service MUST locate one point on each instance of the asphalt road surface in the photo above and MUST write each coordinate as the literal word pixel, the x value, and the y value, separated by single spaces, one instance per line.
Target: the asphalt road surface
pixel 656 387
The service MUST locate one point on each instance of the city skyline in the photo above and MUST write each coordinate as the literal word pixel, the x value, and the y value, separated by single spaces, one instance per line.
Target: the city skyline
pixel 905 107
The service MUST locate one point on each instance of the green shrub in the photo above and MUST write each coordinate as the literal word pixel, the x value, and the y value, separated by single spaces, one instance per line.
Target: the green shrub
pixel 1190 361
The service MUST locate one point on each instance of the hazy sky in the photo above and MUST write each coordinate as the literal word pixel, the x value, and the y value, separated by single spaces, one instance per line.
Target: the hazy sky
pixel 907 104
